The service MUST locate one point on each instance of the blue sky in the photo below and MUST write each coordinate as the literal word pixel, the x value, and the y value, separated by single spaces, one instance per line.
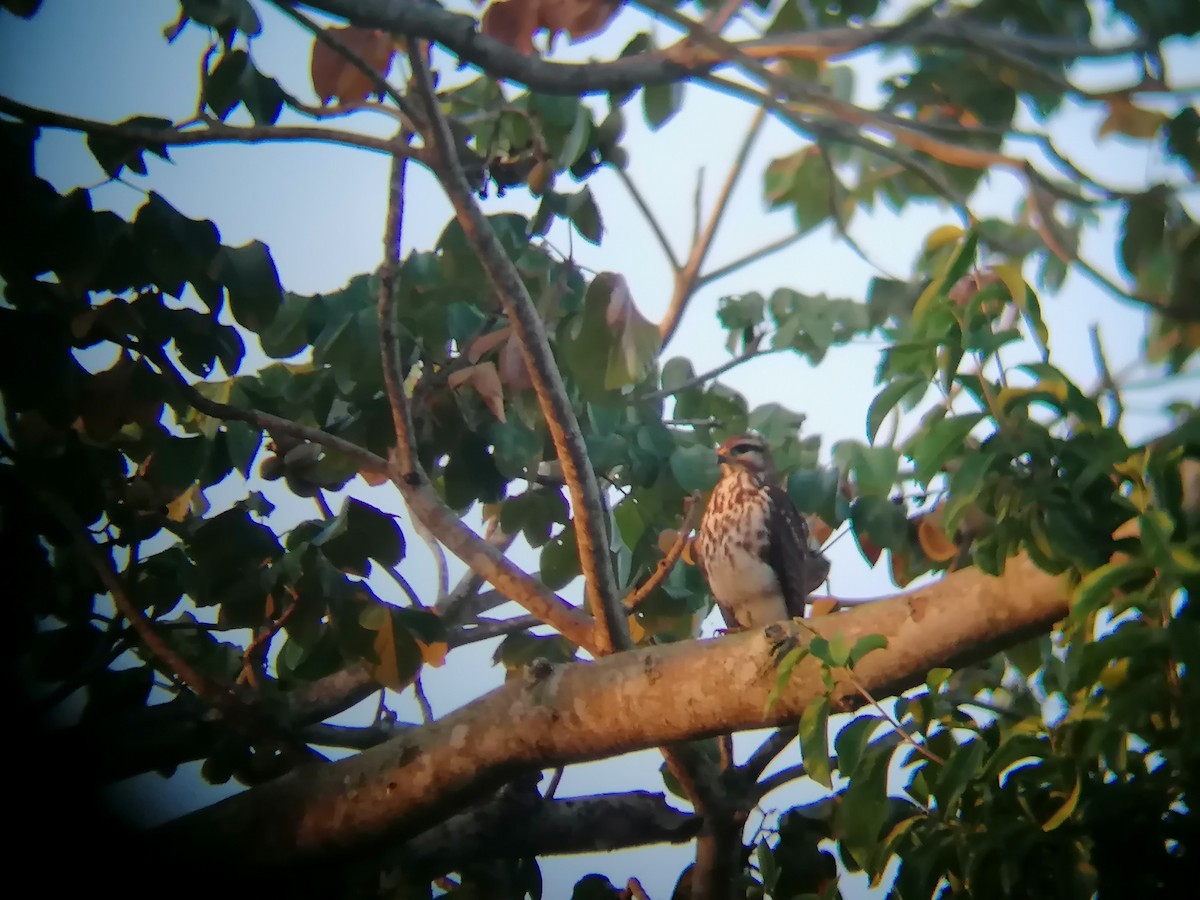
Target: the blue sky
pixel 320 209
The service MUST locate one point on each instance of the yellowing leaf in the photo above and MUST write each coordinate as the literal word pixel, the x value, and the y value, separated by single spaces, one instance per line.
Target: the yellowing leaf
pixel 689 552
pixel 940 237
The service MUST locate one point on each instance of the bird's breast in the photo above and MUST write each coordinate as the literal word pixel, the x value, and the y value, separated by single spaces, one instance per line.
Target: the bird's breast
pixel 732 543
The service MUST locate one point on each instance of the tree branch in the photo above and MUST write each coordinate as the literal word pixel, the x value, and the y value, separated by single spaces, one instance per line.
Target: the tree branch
pixel 517 824
pixel 588 509
pixel 211 133
pixel 575 712
pixel 691 518
pixel 460 35
pixel 687 276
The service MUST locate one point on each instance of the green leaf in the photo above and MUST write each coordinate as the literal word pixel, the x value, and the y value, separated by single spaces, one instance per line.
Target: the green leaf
pixel 966 483
pixel 783 675
pixel 288 332
pixel 865 806
pixel 660 102
pixel 584 214
pixel 865 645
pixel 887 399
pixel 114 153
pixel 360 532
pixel 249 274
pixel 560 560
pixel 814 741
pixel 1098 586
pixel 695 468
pixel 961 769
pixel 223 86
pixel 852 740
pixel 938 441
pixel 676 372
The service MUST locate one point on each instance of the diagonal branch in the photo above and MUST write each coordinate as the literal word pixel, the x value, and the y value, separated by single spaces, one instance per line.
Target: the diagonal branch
pixel 687 276
pixel 586 502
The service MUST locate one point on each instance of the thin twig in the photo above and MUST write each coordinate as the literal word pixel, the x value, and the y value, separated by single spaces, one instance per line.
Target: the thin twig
pixel 691 517
pixel 422 700
pixel 552 787
pixel 686 277
pixel 711 374
pixel 261 641
pixel 212 133
pixel 750 258
pixel 648 215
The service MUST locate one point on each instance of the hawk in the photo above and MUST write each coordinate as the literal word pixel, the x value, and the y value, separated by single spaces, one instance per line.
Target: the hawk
pixel 753 543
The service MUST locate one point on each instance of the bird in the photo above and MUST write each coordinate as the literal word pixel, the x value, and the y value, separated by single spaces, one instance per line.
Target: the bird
pixel 753 545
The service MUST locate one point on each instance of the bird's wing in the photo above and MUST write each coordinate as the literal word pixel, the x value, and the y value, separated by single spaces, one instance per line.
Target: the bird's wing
pixel 799 568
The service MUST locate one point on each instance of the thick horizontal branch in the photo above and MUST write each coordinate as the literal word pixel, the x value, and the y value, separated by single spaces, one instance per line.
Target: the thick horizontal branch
pixel 209 133
pixel 460 35
pixel 517 824
pixel 629 701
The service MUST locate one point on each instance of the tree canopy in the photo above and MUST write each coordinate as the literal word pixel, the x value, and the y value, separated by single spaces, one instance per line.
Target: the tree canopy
pixel 214 484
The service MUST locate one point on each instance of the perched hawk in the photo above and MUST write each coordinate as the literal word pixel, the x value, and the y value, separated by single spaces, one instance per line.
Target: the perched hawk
pixel 753 545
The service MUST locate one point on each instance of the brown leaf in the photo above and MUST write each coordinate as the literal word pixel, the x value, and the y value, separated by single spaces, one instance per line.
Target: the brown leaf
pixel 819 529
pixel 513 371
pixel 514 22
pixel 336 78
pixel 373 478
pixel 900 575
pixel 870 550
pixel 1133 121
pixel 486 381
pixel 485 343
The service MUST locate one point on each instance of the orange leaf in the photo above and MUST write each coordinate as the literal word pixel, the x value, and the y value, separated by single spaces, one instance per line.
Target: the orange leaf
pixel 434 654
pixel 689 552
pixel 822 607
pixel 666 540
pixel 335 78
pixel 934 540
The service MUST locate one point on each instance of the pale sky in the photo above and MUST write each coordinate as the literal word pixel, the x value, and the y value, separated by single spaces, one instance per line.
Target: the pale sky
pixel 320 209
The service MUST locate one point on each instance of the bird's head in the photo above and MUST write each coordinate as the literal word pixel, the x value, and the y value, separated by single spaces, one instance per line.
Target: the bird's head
pixel 748 452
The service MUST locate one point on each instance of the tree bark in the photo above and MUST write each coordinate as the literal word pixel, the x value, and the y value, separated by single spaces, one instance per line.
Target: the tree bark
pixel 560 714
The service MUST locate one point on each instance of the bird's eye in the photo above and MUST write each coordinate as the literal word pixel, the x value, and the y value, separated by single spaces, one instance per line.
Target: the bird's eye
pixel 743 449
